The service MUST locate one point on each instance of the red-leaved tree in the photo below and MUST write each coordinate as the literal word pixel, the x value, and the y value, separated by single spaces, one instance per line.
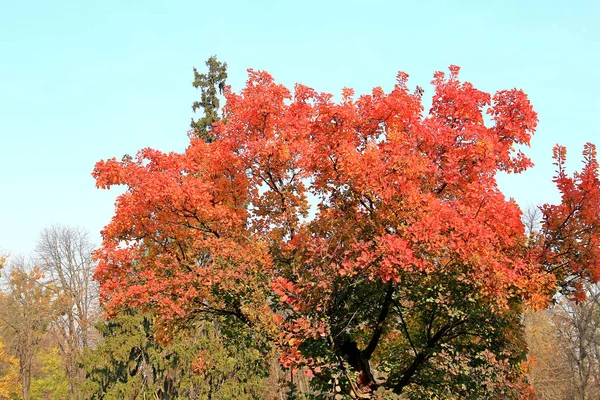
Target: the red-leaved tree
pixel 367 240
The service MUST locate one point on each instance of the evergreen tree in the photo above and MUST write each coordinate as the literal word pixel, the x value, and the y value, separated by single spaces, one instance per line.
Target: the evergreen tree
pixel 211 84
pixel 130 363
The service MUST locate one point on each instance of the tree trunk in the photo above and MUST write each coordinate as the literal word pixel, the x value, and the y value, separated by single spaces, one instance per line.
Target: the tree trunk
pixel 364 381
pixel 25 377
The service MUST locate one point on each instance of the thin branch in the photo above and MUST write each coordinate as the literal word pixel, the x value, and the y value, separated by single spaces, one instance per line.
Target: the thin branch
pixel 405 327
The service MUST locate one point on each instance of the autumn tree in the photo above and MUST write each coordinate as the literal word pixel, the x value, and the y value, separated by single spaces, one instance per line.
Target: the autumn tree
pixel 130 362
pixel 549 372
pixel 65 254
pixel 9 374
pixel 26 310
pixel 9 365
pixel 408 262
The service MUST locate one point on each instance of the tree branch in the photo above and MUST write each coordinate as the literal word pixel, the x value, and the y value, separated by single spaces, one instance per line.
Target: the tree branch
pixel 405 327
pixel 385 309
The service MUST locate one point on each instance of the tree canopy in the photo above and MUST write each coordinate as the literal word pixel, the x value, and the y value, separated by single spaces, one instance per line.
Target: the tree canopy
pixel 366 238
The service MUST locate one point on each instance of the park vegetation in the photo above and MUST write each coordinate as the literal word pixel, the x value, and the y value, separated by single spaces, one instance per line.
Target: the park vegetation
pixel 303 247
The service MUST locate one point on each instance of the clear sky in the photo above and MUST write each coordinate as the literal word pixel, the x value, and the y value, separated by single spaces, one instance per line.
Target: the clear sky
pixel 85 80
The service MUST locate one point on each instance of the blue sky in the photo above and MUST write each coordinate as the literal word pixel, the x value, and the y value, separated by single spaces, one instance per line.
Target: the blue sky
pixel 86 80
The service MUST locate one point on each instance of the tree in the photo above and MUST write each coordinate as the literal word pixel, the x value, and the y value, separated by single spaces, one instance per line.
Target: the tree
pixel 131 363
pixel 26 310
pixel 411 260
pixel 211 84
pixel 577 325
pixel 564 343
pixel 50 382
pixel 9 375
pixel 549 372
pixel 65 254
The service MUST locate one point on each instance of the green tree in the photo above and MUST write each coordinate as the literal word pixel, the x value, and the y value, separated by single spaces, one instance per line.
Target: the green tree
pixel 50 381
pixel 211 84
pixel 130 363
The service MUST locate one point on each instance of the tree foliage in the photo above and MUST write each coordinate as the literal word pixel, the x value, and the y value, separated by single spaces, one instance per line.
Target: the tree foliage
pixel 211 84
pixel 26 310
pixel 131 364
pixel 548 371
pixel 10 385
pixel 407 267
pixel 51 382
